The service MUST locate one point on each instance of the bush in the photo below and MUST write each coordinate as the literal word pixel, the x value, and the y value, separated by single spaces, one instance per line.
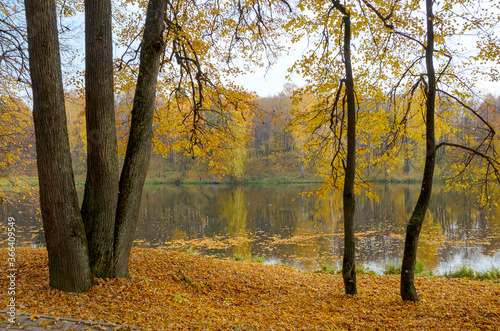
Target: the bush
pixel 362 270
pixel 493 273
pixel 395 269
pixel 463 272
pixel 467 272
pixel 259 259
pixel 392 269
pixel 328 269
pixel 192 251
pixel 419 267
pixel 238 257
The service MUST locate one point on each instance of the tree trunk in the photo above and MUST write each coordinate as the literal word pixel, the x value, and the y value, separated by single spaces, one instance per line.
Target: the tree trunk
pixel 407 160
pixel 101 186
pixel 301 165
pixel 408 290
pixel 62 222
pixel 139 144
pixel 349 263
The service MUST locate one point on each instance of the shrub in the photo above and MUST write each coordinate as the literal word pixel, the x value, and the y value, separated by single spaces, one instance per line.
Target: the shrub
pixel 328 269
pixel 419 267
pixel 362 270
pixel 463 272
pixel 259 259
pixel 493 273
pixel 192 251
pixel 395 269
pixel 467 272
pixel 238 257
pixel 392 269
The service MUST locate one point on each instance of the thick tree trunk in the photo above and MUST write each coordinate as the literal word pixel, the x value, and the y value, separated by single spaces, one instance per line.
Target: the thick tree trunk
pixel 408 290
pixel 139 145
pixel 101 187
pixel 349 263
pixel 62 222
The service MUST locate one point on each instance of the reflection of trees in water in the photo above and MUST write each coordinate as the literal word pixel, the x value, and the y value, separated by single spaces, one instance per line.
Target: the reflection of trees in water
pixel 408 201
pixel 28 223
pixel 262 213
pixel 232 208
pixel 170 213
pixel 460 216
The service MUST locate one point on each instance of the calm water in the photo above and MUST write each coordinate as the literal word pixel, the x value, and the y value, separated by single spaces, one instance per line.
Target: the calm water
pixel 276 223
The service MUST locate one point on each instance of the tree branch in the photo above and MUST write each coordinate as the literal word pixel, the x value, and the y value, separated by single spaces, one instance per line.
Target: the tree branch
pixel 491 162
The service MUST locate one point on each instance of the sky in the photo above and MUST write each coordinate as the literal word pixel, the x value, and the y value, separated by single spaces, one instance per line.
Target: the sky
pixel 272 82
pixel 269 81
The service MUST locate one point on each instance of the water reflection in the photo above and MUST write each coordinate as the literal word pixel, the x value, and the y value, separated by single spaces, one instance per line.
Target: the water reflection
pixel 277 223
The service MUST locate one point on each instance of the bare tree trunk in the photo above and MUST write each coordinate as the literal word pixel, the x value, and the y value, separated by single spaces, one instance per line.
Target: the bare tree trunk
pixel 101 186
pixel 301 165
pixel 349 263
pixel 407 160
pixel 62 222
pixel 139 145
pixel 408 290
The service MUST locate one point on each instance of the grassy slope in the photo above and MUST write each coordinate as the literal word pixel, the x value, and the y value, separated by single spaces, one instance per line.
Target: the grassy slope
pixel 171 290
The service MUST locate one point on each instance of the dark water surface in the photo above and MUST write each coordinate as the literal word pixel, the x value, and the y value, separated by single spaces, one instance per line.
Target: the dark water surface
pixel 276 223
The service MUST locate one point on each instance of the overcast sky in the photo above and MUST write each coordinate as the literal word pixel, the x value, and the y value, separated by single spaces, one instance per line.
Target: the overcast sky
pixel 272 83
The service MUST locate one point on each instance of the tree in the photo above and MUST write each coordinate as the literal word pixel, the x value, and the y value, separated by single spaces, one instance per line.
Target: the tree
pixel 13 52
pixel 101 235
pixel 101 186
pixel 349 263
pixel 63 225
pixel 331 119
pixel 408 291
pixel 16 122
pixel 139 143
pixel 431 39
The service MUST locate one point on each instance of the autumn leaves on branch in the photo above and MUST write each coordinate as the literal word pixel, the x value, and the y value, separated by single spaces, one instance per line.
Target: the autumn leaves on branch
pixel 402 66
pixel 377 72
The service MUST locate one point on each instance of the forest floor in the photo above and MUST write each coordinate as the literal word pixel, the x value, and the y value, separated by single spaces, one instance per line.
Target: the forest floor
pixel 171 290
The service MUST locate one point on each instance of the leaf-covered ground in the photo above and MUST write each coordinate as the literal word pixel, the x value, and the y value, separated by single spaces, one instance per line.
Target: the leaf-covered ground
pixel 170 290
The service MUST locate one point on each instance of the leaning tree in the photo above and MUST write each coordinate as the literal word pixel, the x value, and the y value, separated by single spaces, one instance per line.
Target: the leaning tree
pixel 96 240
pixel 433 65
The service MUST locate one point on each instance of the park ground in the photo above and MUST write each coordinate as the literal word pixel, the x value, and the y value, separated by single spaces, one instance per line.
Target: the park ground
pixel 172 290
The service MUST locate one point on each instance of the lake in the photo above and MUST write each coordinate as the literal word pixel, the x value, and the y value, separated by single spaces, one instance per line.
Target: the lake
pixel 285 227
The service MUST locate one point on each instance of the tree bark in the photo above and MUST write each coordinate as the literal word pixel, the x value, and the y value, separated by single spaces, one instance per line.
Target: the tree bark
pixel 408 290
pixel 101 186
pixel 62 222
pixel 139 145
pixel 349 263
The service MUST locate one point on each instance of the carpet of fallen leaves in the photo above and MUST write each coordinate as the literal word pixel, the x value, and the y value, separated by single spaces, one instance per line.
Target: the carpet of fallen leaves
pixel 171 290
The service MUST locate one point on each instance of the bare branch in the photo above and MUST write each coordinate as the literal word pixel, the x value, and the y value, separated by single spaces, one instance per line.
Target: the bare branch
pixel 469 108
pixel 491 162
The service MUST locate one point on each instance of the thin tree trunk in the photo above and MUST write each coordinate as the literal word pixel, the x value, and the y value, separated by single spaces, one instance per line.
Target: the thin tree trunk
pixel 408 290
pixel 349 263
pixel 62 222
pixel 101 186
pixel 301 165
pixel 139 145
